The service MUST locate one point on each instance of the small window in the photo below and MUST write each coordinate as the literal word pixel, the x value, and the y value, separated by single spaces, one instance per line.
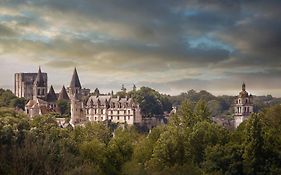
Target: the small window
pixel 101 118
pixel 117 117
pixel 125 111
pixel 129 111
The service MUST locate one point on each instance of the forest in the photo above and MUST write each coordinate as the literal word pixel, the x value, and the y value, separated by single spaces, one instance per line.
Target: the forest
pixel 189 144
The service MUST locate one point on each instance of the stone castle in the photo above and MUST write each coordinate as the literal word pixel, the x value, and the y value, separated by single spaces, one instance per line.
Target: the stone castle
pixel 94 107
pixel 84 107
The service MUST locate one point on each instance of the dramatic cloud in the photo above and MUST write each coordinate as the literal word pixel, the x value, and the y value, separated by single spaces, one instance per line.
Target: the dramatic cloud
pixel 172 46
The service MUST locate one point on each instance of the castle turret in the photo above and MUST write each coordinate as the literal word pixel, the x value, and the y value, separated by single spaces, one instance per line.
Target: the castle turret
pixel 243 107
pixel 39 86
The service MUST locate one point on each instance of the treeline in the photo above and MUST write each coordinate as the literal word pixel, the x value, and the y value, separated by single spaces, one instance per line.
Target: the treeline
pixel 189 144
pixel 156 104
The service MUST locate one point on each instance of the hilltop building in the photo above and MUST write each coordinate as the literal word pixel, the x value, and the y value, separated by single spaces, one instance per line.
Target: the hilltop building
pixel 24 83
pixel 83 106
pixel 243 106
pixel 43 102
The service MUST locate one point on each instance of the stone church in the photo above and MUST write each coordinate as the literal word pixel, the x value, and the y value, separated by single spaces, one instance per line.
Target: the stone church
pixel 243 106
pixel 84 106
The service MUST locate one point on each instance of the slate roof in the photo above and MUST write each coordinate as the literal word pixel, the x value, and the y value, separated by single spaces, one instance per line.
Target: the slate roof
pixel 75 82
pixel 51 96
pixel 63 94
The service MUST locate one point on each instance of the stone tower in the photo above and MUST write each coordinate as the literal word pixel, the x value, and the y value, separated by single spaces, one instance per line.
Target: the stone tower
pixel 75 85
pixel 76 110
pixel 39 86
pixel 75 94
pixel 243 107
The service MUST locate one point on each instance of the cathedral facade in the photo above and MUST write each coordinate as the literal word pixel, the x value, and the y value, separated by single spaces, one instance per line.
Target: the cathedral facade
pixel 243 106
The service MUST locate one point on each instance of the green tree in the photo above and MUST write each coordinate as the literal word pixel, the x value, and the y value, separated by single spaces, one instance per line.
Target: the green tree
pixel 64 107
pixel 254 151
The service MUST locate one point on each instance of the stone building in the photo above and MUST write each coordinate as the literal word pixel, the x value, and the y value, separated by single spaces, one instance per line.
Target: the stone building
pixel 24 83
pixel 43 102
pixel 100 108
pixel 243 106
pixel 83 106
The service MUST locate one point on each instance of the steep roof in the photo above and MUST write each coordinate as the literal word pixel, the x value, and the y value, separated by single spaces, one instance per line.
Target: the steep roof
pixel 51 96
pixel 75 82
pixel 63 94
pixel 39 81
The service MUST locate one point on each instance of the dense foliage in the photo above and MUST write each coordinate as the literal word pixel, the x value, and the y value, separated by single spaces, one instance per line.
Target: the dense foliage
pixel 189 144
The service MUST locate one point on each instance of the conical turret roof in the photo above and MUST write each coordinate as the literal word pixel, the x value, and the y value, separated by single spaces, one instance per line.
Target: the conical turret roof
pixel 39 81
pixel 63 94
pixel 75 82
pixel 51 97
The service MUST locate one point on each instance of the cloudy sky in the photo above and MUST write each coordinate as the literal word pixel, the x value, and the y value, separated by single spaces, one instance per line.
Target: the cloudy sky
pixel 169 45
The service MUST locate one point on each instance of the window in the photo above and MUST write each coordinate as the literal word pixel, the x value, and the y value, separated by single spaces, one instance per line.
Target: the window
pixel 101 118
pixel 129 111
pixel 101 111
pixel 111 118
pixel 118 112
pixel 117 117
pixel 95 118
pixel 125 118
pixel 125 111
pixel 38 91
pixel 95 111
pixel 128 117
pixel 111 112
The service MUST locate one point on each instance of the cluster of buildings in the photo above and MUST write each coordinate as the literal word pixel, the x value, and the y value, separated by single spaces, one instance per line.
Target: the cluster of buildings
pixel 95 107
pixel 84 106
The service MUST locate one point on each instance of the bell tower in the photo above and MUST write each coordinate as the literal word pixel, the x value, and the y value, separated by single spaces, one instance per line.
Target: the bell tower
pixel 39 86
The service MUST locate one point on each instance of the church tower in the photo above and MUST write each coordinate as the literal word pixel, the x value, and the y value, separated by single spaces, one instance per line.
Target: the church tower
pixel 75 85
pixel 76 105
pixel 39 86
pixel 243 107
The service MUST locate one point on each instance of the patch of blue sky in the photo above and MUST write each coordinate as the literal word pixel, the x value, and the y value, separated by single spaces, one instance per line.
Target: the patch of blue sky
pixel 190 12
pixel 35 38
pixel 207 43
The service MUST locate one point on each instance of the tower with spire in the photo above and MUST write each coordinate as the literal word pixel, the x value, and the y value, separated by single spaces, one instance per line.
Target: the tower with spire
pixel 76 92
pixel 39 86
pixel 243 106
pixel 75 85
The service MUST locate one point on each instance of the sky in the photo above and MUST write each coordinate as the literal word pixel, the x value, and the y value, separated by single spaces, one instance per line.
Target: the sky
pixel 170 45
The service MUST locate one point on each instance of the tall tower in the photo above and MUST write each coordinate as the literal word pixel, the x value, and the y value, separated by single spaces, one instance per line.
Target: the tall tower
pixel 243 107
pixel 39 86
pixel 76 110
pixel 75 85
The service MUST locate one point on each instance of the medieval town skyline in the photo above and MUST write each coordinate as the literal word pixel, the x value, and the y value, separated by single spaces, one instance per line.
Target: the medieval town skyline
pixel 171 46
